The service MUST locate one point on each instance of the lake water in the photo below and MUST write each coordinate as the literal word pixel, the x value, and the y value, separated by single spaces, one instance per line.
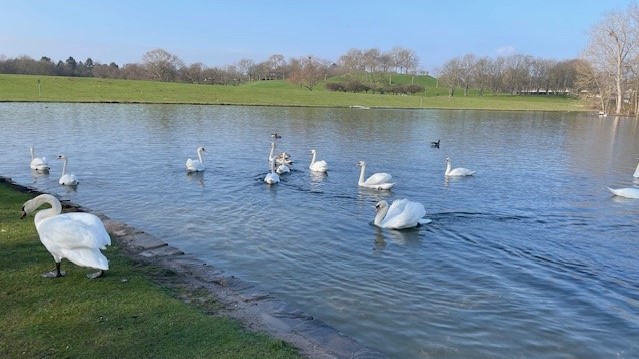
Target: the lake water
pixel 530 258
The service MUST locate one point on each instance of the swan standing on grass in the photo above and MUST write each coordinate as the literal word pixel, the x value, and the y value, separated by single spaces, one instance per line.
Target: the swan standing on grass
pixel 401 214
pixel 376 181
pixel 37 163
pixel 77 236
pixel 196 165
pixel 317 166
pixel 459 171
pixel 272 177
pixel 67 179
pixel 629 192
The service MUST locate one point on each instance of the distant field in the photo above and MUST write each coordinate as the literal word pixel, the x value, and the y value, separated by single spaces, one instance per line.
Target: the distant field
pixel 28 88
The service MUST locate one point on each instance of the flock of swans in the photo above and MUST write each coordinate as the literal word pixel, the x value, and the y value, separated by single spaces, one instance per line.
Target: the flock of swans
pixel 79 237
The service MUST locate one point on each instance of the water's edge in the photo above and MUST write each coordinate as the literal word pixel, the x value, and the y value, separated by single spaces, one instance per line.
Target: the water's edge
pixel 255 308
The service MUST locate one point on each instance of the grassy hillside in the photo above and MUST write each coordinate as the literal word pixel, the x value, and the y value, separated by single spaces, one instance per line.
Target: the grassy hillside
pixel 270 93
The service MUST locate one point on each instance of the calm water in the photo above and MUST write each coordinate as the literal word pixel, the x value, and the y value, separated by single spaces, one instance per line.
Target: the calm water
pixel 532 257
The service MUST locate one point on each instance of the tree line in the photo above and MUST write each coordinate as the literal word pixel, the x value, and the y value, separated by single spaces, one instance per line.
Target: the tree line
pixel 606 74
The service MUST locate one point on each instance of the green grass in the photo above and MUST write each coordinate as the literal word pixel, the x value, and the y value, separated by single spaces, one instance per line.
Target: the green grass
pixel 20 88
pixel 124 314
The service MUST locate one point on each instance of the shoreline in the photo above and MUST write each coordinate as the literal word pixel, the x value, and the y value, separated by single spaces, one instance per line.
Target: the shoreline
pixel 256 309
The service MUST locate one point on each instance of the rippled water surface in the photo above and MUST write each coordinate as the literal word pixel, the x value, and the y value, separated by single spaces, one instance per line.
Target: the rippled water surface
pixel 530 258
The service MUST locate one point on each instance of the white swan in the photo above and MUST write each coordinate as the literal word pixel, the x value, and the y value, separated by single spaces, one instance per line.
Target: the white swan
pixel 629 192
pixel 402 213
pixel 76 236
pixel 376 181
pixel 196 165
pixel 67 179
pixel 636 174
pixel 272 177
pixel 37 163
pixel 317 166
pixel 282 163
pixel 459 171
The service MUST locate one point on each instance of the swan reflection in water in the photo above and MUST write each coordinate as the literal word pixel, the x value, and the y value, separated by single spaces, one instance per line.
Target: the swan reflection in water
pixel 196 177
pixel 401 237
pixel 39 177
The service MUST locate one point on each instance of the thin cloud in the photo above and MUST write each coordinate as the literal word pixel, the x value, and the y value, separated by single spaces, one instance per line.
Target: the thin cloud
pixel 506 50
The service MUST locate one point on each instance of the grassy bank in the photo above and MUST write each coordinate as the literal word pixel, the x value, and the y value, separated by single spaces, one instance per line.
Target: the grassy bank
pixel 268 93
pixel 122 315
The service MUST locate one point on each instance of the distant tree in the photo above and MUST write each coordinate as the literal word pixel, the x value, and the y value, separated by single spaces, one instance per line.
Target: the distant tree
pixel 244 66
pixel 161 65
pixel 71 66
pixel 405 59
pixel 307 72
pixel 192 73
pixel 134 72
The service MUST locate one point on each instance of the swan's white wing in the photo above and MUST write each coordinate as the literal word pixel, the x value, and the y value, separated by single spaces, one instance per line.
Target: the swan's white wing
pixel 194 165
pixel 461 172
pixel 77 237
pixel 38 164
pixel 409 215
pixel 283 169
pixel 68 179
pixel 378 178
pixel 271 178
pixel 626 192
pixel 319 166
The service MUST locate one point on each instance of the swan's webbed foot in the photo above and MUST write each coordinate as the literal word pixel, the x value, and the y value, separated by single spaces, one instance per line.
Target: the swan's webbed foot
pixel 56 273
pixel 95 275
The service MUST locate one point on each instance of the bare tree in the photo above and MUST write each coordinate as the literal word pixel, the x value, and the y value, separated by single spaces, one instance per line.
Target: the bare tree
pixel 307 71
pixel 161 65
pixel 244 66
pixel 405 59
pixel 612 44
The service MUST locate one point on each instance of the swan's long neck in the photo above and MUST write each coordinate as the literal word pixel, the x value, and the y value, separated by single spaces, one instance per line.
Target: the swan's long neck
pixel 64 167
pixel 56 208
pixel 270 155
pixel 32 151
pixel 379 217
pixel 361 173
pixel 313 158
pixel 199 154
pixel 448 167
pixel 636 172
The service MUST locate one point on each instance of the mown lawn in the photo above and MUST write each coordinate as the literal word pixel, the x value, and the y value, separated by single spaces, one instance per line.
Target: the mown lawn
pixel 266 93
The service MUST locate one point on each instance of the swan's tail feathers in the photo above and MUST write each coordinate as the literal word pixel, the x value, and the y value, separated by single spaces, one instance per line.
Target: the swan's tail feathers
pixel 87 257
pixel 425 221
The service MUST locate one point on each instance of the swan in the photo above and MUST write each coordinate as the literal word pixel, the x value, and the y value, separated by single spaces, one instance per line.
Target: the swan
pixel 75 236
pixel 629 192
pixel 37 163
pixel 636 174
pixel 67 179
pixel 459 171
pixel 377 181
pixel 317 166
pixel 280 159
pixel 402 213
pixel 272 177
pixel 196 165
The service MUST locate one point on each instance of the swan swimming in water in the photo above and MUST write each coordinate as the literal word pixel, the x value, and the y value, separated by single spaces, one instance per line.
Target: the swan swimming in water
pixel 37 163
pixel 272 177
pixel 401 214
pixel 76 236
pixel 196 165
pixel 67 179
pixel 281 161
pixel 629 192
pixel 636 174
pixel 317 166
pixel 460 171
pixel 378 181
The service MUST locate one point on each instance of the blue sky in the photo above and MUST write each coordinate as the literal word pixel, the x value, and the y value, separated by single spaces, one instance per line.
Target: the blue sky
pixel 219 33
